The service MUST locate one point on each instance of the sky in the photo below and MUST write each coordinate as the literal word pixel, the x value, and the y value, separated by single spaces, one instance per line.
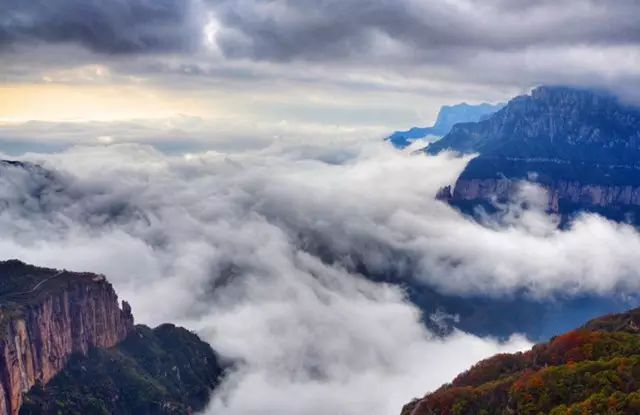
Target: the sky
pixel 180 71
pixel 221 162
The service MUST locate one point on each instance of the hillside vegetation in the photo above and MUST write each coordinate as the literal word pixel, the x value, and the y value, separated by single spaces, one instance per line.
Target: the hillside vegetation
pixel 591 370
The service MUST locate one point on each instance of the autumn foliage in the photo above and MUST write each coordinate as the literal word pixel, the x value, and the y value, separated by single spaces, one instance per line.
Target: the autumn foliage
pixel 592 370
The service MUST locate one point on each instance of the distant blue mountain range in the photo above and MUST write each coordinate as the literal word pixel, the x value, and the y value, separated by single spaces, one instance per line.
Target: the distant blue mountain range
pixel 448 116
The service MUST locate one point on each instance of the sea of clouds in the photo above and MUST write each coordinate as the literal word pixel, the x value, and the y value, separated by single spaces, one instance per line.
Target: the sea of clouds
pixel 258 250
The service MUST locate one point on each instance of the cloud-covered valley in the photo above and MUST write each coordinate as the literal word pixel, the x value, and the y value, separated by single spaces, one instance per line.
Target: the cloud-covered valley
pixel 222 163
pixel 272 254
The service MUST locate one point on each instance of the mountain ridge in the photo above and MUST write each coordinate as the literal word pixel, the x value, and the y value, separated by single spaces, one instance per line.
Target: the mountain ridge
pixel 448 116
pixel 592 369
pixel 582 147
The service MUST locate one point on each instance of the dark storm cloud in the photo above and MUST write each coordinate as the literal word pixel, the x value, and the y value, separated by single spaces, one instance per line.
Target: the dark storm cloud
pixel 399 45
pixel 310 29
pixel 113 27
pixel 328 29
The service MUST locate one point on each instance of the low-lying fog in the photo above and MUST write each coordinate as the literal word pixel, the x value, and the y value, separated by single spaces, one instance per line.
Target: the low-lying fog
pixel 256 250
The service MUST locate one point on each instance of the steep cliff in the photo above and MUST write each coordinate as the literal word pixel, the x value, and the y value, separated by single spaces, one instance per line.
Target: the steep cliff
pixel 163 371
pixel 47 315
pixel 448 116
pixel 583 147
pixel 594 369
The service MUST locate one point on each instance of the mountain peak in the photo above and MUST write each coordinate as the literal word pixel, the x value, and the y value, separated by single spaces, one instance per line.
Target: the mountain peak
pixel 581 145
pixel 448 116
pixel 553 121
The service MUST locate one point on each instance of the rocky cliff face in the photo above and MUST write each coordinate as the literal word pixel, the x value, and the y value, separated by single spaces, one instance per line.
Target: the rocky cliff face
pixel 559 192
pixel 46 316
pixel 555 123
pixel 583 147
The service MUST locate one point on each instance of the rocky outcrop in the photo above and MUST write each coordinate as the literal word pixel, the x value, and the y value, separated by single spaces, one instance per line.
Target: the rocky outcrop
pixel 483 189
pixel 563 196
pixel 559 193
pixel 444 194
pixel 556 123
pixel 582 146
pixel 45 317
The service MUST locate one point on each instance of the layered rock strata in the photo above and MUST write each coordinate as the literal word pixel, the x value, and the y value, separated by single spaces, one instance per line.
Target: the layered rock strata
pixel 42 326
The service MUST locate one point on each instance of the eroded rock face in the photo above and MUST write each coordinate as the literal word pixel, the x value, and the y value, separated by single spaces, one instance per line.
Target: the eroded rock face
pixel 562 195
pixel 40 330
pixel 582 147
pixel 553 123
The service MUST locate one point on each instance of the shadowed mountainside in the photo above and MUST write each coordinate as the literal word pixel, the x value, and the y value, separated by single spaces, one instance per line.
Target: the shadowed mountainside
pixel 594 369
pixel 67 347
pixel 166 370
pixel 448 116
pixel 582 147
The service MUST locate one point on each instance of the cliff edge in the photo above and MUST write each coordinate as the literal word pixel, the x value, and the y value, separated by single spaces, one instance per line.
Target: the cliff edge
pixel 46 315
pixel 581 146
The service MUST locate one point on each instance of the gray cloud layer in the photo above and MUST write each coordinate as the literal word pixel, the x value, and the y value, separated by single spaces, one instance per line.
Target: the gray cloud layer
pixel 257 250
pixel 435 30
pixel 325 59
pixel 327 30
pixel 203 241
pixel 111 27
pixel 230 244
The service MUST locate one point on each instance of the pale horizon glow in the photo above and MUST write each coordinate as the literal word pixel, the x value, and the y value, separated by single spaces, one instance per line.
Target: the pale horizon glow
pixel 84 103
